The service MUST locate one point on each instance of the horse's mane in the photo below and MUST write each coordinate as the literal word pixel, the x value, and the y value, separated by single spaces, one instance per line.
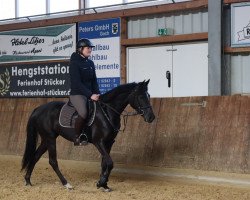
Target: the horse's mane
pixel 108 96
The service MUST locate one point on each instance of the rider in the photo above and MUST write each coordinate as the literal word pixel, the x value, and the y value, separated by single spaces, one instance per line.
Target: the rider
pixel 84 84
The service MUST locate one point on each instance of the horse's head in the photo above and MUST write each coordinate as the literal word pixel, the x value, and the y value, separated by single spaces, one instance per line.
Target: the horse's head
pixel 139 99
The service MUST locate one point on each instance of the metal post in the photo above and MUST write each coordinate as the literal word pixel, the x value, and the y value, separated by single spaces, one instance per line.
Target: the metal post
pixel 82 6
pixel 16 8
pixel 214 47
pixel 47 6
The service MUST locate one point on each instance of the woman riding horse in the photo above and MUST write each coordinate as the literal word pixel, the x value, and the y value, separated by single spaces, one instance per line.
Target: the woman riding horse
pixel 84 84
pixel 44 121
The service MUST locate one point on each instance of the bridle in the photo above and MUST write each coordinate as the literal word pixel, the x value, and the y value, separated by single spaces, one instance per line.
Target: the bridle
pixel 138 111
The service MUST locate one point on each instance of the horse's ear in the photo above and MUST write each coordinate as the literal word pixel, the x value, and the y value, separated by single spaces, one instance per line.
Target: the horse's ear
pixel 145 83
pixel 140 85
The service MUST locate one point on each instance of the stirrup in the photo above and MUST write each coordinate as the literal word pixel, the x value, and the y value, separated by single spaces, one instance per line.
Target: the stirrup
pixel 83 139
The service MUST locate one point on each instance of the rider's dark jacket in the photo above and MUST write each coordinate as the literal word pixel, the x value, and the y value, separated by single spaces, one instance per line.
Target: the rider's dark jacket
pixel 82 76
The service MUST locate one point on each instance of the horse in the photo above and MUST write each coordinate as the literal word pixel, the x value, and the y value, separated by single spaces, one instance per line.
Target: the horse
pixel 44 121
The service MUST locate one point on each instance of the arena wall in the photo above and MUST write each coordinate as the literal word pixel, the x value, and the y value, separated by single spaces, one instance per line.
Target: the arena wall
pixel 184 134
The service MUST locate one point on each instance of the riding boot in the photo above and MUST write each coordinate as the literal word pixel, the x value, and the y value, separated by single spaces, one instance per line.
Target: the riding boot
pixel 79 125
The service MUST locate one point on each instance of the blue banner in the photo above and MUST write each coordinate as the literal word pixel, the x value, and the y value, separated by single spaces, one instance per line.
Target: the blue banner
pixel 99 29
pixel 105 35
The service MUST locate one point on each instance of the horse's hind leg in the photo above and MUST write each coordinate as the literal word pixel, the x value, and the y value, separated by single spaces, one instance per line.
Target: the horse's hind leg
pixel 54 164
pixel 39 152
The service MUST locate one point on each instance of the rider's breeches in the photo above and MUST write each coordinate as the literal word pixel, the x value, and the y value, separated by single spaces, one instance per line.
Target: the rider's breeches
pixel 80 104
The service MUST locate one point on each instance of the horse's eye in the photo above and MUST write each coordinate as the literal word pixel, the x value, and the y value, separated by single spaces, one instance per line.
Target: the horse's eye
pixel 140 97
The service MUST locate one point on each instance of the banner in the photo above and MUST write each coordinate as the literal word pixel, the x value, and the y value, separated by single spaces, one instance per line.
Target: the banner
pixel 240 25
pixel 35 80
pixel 46 43
pixel 105 35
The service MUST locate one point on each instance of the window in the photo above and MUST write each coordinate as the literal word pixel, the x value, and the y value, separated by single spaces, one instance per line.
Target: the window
pixel 63 5
pixel 40 7
pixel 129 1
pixel 163 1
pixel 7 9
pixel 31 7
pixel 96 3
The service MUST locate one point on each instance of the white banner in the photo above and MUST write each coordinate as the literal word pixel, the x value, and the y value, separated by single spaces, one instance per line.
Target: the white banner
pixel 240 24
pixel 106 57
pixel 46 43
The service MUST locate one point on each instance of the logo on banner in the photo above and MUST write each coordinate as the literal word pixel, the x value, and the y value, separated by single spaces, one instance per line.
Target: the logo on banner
pixel 244 34
pixel 4 82
pixel 114 28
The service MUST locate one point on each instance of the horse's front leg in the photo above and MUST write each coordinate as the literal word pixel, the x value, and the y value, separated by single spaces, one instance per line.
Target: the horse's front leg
pixel 108 146
pixel 107 164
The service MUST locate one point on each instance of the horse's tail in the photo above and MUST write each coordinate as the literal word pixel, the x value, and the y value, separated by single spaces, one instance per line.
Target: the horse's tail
pixel 31 142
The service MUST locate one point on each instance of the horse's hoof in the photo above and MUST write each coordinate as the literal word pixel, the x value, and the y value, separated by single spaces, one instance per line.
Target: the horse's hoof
pixel 28 183
pixel 68 186
pixel 104 187
pixel 107 189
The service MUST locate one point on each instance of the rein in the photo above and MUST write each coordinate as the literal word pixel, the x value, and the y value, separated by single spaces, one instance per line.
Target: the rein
pixel 125 116
pixel 138 111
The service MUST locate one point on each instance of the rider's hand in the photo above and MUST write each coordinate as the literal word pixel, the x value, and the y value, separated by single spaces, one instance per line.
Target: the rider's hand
pixel 95 97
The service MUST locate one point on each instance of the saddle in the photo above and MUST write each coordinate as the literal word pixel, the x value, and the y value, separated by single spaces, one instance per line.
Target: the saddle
pixel 69 114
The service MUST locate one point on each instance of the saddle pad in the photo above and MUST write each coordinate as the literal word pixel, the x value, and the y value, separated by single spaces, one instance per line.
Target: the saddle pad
pixel 69 114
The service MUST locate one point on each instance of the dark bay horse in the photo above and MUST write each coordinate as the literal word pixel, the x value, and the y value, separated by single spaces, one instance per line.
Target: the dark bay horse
pixel 44 121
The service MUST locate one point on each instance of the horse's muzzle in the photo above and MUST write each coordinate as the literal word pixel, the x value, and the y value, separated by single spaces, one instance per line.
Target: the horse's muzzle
pixel 149 117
